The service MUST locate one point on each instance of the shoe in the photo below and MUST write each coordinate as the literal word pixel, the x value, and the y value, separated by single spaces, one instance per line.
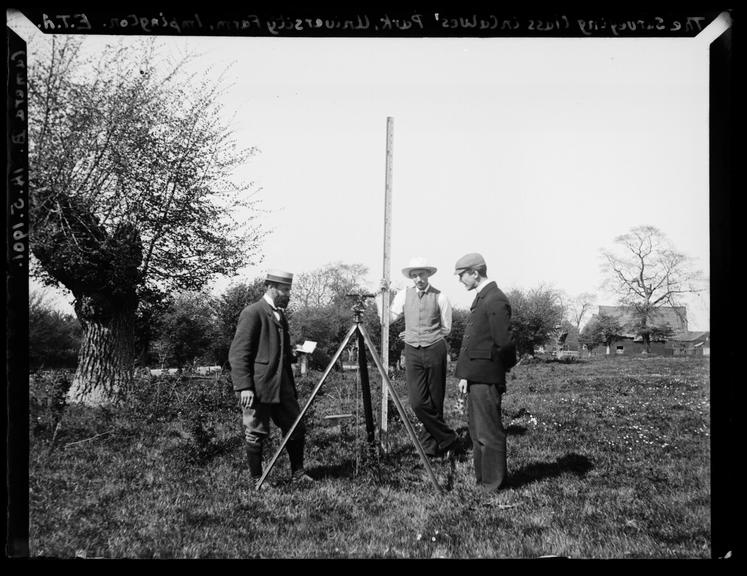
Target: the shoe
pixel 300 477
pixel 453 450
pixel 432 450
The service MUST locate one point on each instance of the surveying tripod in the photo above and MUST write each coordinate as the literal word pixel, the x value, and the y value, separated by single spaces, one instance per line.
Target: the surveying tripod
pixel 363 342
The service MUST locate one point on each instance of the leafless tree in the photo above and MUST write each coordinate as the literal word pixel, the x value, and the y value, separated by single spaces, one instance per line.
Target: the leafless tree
pixel 645 271
pixel 326 285
pixel 578 307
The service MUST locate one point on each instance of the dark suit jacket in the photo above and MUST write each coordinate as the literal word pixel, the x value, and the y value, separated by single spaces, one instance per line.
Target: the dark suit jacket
pixel 488 348
pixel 259 352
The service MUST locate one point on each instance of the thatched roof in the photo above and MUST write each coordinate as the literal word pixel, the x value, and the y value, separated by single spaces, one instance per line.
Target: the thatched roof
pixel 673 316
pixel 692 336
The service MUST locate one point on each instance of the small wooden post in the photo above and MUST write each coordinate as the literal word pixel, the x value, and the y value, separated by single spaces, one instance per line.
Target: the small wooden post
pixel 385 292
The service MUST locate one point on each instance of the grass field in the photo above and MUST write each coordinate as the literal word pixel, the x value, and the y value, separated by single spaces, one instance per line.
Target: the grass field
pixel 608 458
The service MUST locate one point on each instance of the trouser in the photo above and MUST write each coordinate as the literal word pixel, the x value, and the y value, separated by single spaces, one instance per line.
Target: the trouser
pixel 426 388
pixel 487 434
pixel 256 422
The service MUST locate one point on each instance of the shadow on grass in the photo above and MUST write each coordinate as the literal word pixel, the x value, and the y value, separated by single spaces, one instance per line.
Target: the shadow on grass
pixel 574 463
pixel 516 430
pixel 195 453
pixel 344 469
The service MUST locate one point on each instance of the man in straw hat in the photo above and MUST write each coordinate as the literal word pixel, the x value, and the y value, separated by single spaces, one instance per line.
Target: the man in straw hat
pixel 427 314
pixel 488 352
pixel 260 358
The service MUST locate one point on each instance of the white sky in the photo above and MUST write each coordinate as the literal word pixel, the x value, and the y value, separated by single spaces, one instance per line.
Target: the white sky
pixel 534 152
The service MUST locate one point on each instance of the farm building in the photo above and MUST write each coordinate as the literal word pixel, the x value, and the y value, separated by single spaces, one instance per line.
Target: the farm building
pixel 673 316
pixel 689 344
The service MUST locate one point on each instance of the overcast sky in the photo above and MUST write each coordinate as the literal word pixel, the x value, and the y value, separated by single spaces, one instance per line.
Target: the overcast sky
pixel 536 153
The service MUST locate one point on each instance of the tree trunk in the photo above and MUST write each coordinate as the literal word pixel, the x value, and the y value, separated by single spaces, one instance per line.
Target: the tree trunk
pixel 107 352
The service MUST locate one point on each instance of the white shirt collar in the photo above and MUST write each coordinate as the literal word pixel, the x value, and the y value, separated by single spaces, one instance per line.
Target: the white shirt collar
pixel 482 285
pixel 270 301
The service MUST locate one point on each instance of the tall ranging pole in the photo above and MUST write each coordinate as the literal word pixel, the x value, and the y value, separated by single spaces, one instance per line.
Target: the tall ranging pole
pixel 385 291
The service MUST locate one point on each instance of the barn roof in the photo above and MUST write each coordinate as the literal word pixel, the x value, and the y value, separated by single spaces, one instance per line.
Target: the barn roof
pixel 673 316
pixel 691 336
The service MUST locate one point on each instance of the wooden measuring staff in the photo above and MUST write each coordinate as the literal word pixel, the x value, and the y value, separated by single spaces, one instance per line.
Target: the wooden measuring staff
pixel 363 342
pixel 385 304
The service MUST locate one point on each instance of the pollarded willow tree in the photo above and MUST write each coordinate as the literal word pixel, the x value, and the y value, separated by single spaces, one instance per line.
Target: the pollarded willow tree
pixel 646 273
pixel 131 165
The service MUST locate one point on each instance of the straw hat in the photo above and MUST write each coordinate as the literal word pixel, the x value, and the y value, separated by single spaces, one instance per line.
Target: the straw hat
pixel 418 263
pixel 279 276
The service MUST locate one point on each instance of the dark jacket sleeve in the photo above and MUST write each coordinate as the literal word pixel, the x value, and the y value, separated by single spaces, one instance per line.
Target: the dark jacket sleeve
pixel 499 318
pixel 244 350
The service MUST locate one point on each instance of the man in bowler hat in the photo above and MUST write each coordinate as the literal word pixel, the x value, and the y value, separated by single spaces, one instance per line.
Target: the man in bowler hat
pixel 427 314
pixel 260 358
pixel 488 352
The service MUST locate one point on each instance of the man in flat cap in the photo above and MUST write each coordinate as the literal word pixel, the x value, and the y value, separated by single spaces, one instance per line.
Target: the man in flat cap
pixel 427 314
pixel 260 358
pixel 488 352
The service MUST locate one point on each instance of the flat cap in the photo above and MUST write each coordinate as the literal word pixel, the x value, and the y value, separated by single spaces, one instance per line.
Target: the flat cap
pixel 279 276
pixel 471 260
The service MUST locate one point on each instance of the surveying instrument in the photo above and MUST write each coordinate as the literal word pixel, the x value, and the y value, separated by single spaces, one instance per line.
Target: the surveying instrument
pixel 364 342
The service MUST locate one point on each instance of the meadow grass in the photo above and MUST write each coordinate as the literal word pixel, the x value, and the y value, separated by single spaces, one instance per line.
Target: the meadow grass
pixel 608 458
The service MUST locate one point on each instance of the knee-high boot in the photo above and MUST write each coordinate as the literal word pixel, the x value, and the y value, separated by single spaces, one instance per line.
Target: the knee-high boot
pixel 254 458
pixel 295 453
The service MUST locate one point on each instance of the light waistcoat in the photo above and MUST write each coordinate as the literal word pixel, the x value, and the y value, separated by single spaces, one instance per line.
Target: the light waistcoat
pixel 422 317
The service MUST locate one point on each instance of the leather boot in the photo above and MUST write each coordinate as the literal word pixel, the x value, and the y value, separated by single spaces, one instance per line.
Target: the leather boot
pixel 295 453
pixel 254 458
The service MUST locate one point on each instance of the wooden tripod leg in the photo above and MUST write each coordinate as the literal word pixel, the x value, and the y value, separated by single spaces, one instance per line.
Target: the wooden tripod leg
pixel 366 392
pixel 400 409
pixel 306 407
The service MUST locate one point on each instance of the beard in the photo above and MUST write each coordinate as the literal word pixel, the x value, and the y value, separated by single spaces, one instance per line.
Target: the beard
pixel 282 301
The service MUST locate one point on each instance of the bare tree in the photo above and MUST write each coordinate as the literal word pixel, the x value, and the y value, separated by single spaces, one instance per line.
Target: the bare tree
pixel 646 272
pixel 578 307
pixel 326 285
pixel 320 309
pixel 132 194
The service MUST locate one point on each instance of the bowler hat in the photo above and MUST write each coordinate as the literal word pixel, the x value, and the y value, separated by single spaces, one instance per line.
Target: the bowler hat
pixel 418 263
pixel 279 276
pixel 471 260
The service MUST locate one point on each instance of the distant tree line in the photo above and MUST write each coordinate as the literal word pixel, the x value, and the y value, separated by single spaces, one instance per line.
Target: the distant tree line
pixel 195 327
pixel 54 337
